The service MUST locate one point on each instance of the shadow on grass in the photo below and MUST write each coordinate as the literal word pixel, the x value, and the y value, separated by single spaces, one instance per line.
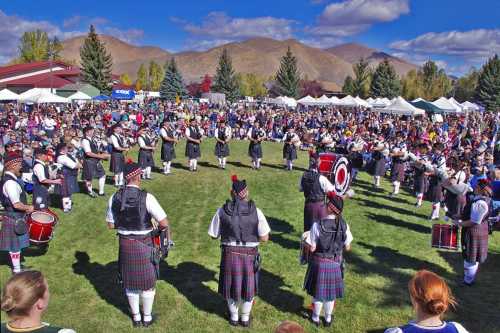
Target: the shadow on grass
pixel 383 196
pixel 381 206
pixel 207 165
pixel 280 228
pixel 389 220
pixel 189 279
pixel 32 251
pixel 238 164
pixel 104 278
pixel 271 291
pixel 181 166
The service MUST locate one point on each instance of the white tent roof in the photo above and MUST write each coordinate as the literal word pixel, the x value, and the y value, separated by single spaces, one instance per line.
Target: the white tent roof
pixel 362 102
pixel 348 101
pixel 386 101
pixel 323 100
pixel 7 95
pixel 45 97
pixel 370 100
pixel 79 96
pixel 25 96
pixel 334 100
pixel 455 102
pixel 288 101
pixel 308 100
pixel 418 100
pixel 379 103
pixel 402 107
pixel 469 106
pixel 446 105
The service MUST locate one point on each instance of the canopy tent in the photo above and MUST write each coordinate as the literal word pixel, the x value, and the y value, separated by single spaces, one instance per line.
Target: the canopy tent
pixel 79 96
pixel 72 88
pixel 44 96
pixel 427 106
pixel 468 106
pixel 101 98
pixel 334 100
pixel 348 101
pixel 379 103
pixel 323 100
pixel 7 95
pixel 370 100
pixel 402 107
pixel 446 105
pixel 362 102
pixel 288 101
pixel 308 100
pixel 386 101
pixel 456 103
pixel 25 96
pixel 418 100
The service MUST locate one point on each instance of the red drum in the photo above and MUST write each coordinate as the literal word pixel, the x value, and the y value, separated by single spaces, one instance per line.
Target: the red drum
pixel 305 252
pixel 445 236
pixel 41 226
pixel 337 169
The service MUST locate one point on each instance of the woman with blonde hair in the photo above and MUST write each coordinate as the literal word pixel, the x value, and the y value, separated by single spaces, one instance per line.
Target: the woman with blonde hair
pixel 25 297
pixel 431 298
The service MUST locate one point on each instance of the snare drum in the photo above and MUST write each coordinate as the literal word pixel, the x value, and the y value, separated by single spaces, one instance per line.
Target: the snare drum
pixel 445 236
pixel 41 226
pixel 337 169
pixel 305 253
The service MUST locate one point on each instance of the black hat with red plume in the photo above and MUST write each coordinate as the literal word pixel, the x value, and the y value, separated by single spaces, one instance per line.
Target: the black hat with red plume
pixel 239 187
pixel 335 203
pixel 132 169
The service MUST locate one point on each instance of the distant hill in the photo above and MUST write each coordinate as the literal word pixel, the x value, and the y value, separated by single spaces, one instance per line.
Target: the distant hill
pixel 257 55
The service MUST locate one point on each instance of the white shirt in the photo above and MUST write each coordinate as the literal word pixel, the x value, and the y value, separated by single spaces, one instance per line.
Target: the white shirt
pixel 152 206
pixel 49 124
pixel 39 171
pixel 227 131
pixel 314 234
pixel 187 132
pixel 114 141
pixel 459 328
pixel 214 230
pixel 11 189
pixel 163 133
pixel 325 184
pixel 66 161
pixel 141 142
pixel 478 211
pixel 86 145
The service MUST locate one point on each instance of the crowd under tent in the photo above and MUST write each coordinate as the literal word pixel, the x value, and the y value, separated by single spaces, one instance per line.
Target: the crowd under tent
pixel 446 105
pixel 79 96
pixel 7 95
pixel 469 106
pixel 427 106
pixel 402 107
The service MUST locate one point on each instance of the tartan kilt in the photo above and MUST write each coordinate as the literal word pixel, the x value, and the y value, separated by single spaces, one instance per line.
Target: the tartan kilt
pixel 379 167
pixel 117 163
pixel 289 152
pixel 192 150
pixel 420 183
pixel 92 168
pixel 398 172
pixel 323 279
pixel 167 152
pixel 255 150
pixel 146 159
pixel 475 243
pixel 435 192
pixel 313 212
pixel 9 241
pixel 221 149
pixel 136 263
pixel 238 279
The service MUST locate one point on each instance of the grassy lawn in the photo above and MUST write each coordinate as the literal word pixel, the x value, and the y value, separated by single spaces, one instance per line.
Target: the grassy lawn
pixel 391 242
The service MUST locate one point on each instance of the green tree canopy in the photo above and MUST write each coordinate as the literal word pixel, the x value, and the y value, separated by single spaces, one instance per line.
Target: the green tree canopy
pixel 225 80
pixel 172 84
pixel 348 87
pixel 385 82
pixel 34 46
pixel 156 75
pixel 362 75
pixel 488 87
pixel 288 76
pixel 252 85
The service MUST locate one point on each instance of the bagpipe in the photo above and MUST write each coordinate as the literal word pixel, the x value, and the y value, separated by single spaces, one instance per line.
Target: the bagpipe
pixel 162 242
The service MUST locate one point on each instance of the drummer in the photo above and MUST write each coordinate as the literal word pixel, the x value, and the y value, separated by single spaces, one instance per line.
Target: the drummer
pixel 41 181
pixel 398 155
pixel 70 167
pixel 14 200
pixel 435 191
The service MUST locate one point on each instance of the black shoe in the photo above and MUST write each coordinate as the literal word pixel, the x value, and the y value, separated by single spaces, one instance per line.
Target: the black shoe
pixel 148 323
pixel 468 284
pixel 137 323
pixel 328 323
pixel 233 322
pixel 102 194
pixel 245 323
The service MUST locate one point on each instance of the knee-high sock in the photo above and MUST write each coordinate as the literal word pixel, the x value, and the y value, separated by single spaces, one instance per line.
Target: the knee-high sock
pixel 195 164
pixel 329 306
pixel 470 271
pixel 258 162
pixel 66 202
pixel 289 164
pixel 89 186
pixel 396 187
pixel 435 210
pixel 246 308
pixel 220 161
pixel 254 163
pixel 121 181
pixel 133 301
pixel 224 162
pixel 116 177
pixel 376 180
pixel 148 172
pixel 102 181
pixel 15 257
pixel 147 299
pixel 165 167
pixel 169 163
pixel 232 306
pixel 191 164
pixel 420 197
pixel 317 305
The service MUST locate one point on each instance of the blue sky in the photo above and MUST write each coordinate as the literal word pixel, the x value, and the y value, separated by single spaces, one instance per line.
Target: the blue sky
pixel 457 34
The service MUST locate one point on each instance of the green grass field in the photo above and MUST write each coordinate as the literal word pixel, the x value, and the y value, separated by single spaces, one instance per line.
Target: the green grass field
pixel 391 242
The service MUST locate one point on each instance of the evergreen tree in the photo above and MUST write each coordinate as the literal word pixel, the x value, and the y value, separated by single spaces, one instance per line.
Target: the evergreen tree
pixel 385 82
pixel 465 87
pixel 488 88
pixel 348 87
pixel 96 62
pixel 172 85
pixel 361 82
pixel 288 76
pixel 225 80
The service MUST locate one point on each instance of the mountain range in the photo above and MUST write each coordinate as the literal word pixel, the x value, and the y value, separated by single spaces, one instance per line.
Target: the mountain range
pixel 257 55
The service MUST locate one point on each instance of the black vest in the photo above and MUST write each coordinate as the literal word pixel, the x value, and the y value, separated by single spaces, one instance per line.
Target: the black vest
pixel 194 133
pixel 332 235
pixel 256 133
pixel 222 133
pixel 93 148
pixel 312 187
pixel 69 171
pixel 170 134
pixel 36 181
pixel 120 143
pixel 129 210
pixel 239 222
pixel 6 203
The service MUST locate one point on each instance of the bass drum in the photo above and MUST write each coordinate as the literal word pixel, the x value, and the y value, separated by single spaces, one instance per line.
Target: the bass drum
pixel 337 169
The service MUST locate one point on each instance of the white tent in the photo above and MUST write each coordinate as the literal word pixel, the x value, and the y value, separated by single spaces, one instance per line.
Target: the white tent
pixel 402 107
pixel 348 101
pixel 446 105
pixel 418 100
pixel 386 101
pixel 79 96
pixel 308 100
pixel 288 101
pixel 456 103
pixel 362 102
pixel 334 100
pixel 25 96
pixel 42 96
pixel 469 106
pixel 323 100
pixel 370 100
pixel 7 95
pixel 379 103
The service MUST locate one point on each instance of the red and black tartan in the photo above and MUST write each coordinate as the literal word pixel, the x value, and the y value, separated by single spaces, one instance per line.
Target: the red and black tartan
pixel 475 243
pixel 323 279
pixel 136 265
pixel 9 240
pixel 238 279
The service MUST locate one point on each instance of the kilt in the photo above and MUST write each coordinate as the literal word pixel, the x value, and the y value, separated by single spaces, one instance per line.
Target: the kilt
pixel 455 205
pixel 398 172
pixel 92 168
pixel 221 149
pixel 255 150
pixel 9 241
pixel 323 279
pixel 146 159
pixel 238 279
pixel 420 183
pixel 289 152
pixel 435 191
pixel 313 212
pixel 356 159
pixel 379 169
pixel 117 163
pixel 475 243
pixel 137 270
pixel 167 152
pixel 192 150
pixel 40 196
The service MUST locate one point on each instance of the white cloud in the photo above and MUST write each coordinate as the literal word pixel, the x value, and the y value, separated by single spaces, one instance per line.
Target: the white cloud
pixel 322 42
pixel 72 21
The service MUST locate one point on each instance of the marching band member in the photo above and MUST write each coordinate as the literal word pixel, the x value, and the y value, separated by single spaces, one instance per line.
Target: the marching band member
pixel 92 166
pixel 255 135
pixel 222 136
pixel 241 226
pixel 289 148
pixel 456 192
pixel 146 150
pixel 324 140
pixel 70 167
pixel 169 140
pixel 193 152
pixel 14 200
pixel 130 211
pixel 356 157
pixel 118 148
pixel 475 231
pixel 315 186
pixel 324 279
pixel 420 177
pixel 435 191
pixel 379 153
pixel 41 181
pixel 398 155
